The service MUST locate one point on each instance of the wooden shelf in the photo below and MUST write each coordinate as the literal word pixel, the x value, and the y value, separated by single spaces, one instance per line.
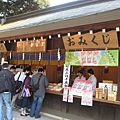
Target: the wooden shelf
pixel 54 92
pixel 107 101
pixel 94 99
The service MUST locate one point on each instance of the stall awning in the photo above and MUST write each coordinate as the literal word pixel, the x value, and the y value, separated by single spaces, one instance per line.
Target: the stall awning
pixel 95 13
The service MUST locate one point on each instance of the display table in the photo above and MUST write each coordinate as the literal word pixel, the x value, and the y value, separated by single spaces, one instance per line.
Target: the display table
pixel 94 99
pixel 101 109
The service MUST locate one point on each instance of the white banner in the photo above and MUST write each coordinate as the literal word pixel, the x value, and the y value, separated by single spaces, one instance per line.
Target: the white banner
pixel 66 75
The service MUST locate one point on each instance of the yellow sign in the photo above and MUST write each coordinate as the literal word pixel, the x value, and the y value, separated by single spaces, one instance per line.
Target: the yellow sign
pixel 2 47
pixel 32 46
pixel 96 40
pixel 20 46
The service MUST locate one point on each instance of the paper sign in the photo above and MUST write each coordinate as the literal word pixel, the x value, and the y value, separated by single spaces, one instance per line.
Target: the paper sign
pixel 87 98
pixel 65 91
pixel 64 97
pixel 66 75
pixel 81 85
pixel 65 94
pixel 70 96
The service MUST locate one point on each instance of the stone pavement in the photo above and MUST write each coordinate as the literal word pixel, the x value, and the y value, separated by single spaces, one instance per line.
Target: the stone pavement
pixel 16 115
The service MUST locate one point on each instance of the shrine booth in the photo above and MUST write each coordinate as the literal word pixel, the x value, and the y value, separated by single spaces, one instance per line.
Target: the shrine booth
pixel 79 34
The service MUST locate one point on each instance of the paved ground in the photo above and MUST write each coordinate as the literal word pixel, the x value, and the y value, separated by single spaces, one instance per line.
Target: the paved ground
pixel 16 115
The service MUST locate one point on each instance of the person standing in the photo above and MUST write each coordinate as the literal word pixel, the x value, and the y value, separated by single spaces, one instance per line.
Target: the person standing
pixel 92 78
pixel 20 76
pixel 5 97
pixel 26 94
pixel 39 95
pixel 13 70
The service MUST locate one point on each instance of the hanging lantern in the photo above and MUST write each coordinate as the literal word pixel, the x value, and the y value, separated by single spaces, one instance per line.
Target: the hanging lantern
pixel 29 66
pixel 106 69
pixel 82 68
pixel 18 66
pixel 58 68
pixel 44 67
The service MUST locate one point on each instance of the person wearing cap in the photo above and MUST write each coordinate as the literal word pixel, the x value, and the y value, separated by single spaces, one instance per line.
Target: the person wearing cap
pixel 92 78
pixel 39 95
pixel 79 76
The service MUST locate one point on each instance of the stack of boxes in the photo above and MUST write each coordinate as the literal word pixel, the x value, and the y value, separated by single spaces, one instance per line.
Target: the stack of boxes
pixel 113 95
pixel 99 93
pixel 106 90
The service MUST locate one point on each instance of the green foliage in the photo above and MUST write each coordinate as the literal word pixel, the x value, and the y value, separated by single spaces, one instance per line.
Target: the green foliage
pixel 15 7
pixel 2 7
pixel 43 3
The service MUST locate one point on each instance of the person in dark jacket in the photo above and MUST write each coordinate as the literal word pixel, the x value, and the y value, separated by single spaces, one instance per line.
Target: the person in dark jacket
pixel 13 70
pixel 39 95
pixel 5 97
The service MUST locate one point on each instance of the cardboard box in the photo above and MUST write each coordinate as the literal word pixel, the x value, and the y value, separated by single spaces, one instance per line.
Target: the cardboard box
pixel 112 98
pixel 115 87
pixel 108 81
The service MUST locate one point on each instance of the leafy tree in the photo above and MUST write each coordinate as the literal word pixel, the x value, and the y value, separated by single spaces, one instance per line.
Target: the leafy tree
pixel 43 3
pixel 2 8
pixel 15 7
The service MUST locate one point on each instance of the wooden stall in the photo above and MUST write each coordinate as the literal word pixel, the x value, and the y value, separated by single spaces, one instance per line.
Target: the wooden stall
pixel 37 46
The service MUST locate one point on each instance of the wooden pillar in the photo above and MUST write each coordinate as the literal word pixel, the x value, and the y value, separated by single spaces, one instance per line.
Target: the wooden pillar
pixel 118 92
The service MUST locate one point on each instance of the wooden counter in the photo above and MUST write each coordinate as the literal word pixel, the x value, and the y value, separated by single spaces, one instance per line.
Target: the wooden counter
pixel 101 109
pixel 94 99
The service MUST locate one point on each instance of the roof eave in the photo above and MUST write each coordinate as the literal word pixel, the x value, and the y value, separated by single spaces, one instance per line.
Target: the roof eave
pixel 80 21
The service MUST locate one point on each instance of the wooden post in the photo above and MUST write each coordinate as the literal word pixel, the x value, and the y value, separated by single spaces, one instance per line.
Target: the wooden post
pixel 118 92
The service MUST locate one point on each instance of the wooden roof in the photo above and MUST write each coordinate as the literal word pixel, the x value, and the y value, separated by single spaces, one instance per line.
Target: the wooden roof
pixel 77 14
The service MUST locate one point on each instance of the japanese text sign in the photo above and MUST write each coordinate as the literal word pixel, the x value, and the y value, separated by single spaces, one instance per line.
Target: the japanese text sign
pixel 96 40
pixel 66 75
pixel 38 45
